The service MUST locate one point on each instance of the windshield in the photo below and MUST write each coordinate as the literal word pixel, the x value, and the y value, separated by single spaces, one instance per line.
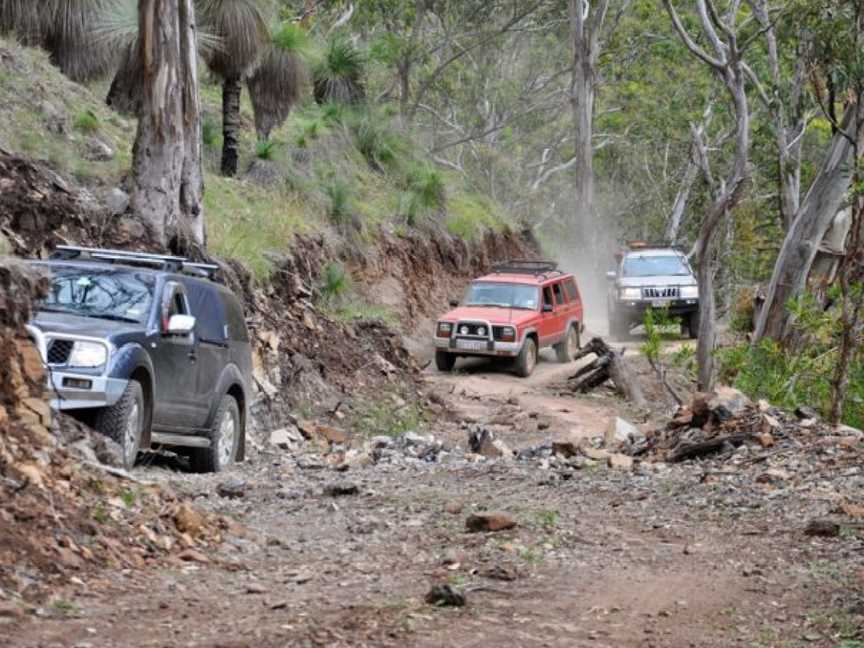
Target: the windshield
pixel 115 294
pixel 655 266
pixel 504 295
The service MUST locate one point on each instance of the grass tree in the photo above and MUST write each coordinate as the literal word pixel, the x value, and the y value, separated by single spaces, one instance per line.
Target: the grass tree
pixel 241 28
pixel 278 82
pixel 338 77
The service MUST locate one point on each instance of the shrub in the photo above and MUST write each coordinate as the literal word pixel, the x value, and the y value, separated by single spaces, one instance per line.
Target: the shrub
pixel 210 133
pixel 335 283
pixel 339 194
pixel 86 122
pixel 425 192
pixel 264 149
pixel 338 77
pixel 376 140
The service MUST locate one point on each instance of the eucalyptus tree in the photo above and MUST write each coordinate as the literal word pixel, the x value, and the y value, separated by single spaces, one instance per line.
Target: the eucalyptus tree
pixel 240 26
pixel 725 58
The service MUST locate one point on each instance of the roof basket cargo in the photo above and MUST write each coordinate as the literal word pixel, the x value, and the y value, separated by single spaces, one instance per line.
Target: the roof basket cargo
pixel 527 267
pixel 164 262
pixel 645 245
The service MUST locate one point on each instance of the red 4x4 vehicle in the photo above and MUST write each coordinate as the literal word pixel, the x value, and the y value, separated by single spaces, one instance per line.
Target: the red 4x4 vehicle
pixel 522 307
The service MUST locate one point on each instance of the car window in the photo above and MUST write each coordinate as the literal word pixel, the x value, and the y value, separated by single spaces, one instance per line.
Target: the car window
pixel 207 306
pixel 571 290
pixel 638 265
pixel 124 295
pixel 559 293
pixel 504 295
pixel 236 321
pixel 547 296
pixel 173 303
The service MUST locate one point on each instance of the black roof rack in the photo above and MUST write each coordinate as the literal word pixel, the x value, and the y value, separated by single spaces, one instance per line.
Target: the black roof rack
pixel 645 245
pixel 527 267
pixel 164 262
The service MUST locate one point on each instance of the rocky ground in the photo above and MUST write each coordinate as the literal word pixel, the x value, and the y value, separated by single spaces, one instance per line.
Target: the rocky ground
pixel 501 521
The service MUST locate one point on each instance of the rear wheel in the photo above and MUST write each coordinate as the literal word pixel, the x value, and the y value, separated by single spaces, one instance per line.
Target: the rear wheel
pixel 567 348
pixel 224 439
pixel 123 422
pixel 445 361
pixel 527 358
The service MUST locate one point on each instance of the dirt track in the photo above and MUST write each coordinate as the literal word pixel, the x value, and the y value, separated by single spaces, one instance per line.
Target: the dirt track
pixel 599 558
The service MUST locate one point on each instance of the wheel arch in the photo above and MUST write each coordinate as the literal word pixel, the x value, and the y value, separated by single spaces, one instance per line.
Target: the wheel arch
pixel 231 383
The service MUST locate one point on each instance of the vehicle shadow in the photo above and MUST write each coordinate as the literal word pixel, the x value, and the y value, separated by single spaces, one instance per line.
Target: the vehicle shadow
pixel 165 460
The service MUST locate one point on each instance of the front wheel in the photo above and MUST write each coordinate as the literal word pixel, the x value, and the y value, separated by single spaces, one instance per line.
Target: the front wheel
pixel 123 422
pixel 224 439
pixel 567 348
pixel 693 325
pixel 445 361
pixel 527 358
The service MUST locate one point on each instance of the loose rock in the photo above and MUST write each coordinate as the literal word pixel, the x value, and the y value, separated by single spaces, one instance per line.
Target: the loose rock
pixel 445 596
pixel 479 522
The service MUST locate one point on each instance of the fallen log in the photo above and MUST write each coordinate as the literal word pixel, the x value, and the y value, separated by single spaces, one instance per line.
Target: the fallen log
pixel 701 448
pixel 609 364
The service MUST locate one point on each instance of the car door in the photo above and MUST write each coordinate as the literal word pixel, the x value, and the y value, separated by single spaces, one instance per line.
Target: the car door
pixel 208 308
pixel 562 310
pixel 574 299
pixel 546 329
pixel 175 364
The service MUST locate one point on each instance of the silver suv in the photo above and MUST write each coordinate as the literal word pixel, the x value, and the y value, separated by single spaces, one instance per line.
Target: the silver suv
pixel 646 277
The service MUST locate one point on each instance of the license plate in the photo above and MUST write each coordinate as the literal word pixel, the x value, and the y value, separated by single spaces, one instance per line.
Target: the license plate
pixel 471 345
pixel 660 303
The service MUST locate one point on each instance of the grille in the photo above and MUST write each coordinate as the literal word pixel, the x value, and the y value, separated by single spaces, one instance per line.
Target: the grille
pixel 473 329
pixel 59 351
pixel 661 292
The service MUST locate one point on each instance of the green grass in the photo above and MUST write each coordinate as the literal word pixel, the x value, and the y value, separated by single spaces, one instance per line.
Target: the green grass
pixel 381 416
pixel 265 149
pixel 469 215
pixel 86 122
pixel 356 310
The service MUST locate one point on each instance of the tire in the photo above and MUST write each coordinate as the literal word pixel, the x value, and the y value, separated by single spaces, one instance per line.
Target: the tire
pixel 445 361
pixel 527 359
pixel 220 455
pixel 123 422
pixel 567 348
pixel 693 325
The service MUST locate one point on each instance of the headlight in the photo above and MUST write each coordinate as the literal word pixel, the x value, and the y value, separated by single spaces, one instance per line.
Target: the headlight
pixel 463 330
pixel 690 292
pixel 507 333
pixel 631 293
pixel 481 331
pixel 444 329
pixel 88 354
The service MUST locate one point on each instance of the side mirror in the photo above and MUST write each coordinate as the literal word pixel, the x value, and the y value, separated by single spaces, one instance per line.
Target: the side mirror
pixel 548 308
pixel 611 275
pixel 180 325
pixel 454 303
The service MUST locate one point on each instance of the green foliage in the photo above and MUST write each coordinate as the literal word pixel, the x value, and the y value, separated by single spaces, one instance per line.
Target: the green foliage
pixel 803 376
pixel 424 193
pixel 390 415
pixel 471 214
pixel 657 324
pixel 356 310
pixel 338 77
pixel 265 149
pixel 339 194
pixel 210 135
pixel 377 141
pixel 335 283
pixel 86 122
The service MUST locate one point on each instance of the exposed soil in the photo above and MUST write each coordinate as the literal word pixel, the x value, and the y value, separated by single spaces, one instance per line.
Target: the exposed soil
pixel 657 556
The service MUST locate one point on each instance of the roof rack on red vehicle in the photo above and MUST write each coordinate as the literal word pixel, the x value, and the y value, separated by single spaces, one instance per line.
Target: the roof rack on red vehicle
pixel 527 267
pixel 160 261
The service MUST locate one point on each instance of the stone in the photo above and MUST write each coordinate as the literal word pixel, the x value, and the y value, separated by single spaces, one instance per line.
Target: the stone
pixel 97 150
pixel 848 431
pixel 188 520
pixel 381 441
pixel 621 462
pixel 620 431
pixel 256 588
pixel 116 201
pixel 597 454
pixel 232 489
pixel 478 522
pixel 483 442
pixel 821 527
pixel 454 508
pixel 565 448
pixel 806 412
pixel 40 408
pixel 445 596
pixel 773 475
pixel 727 403
pixel 285 438
pixel 10 610
pixel 191 555
pixel 341 489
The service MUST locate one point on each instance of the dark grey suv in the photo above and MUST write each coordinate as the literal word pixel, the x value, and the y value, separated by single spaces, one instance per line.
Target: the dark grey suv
pixel 149 350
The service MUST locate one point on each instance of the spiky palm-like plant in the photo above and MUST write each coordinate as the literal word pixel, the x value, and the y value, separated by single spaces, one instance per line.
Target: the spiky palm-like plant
pixel 241 27
pixel 22 18
pixel 339 76
pixel 278 82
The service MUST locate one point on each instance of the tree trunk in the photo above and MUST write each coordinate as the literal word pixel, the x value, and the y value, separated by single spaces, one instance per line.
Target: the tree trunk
pixel 231 89
pixel 166 172
pixel 681 200
pixel 817 213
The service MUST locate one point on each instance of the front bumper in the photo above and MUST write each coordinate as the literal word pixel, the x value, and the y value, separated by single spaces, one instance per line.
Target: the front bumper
pixel 79 391
pixel 634 310
pixel 478 347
